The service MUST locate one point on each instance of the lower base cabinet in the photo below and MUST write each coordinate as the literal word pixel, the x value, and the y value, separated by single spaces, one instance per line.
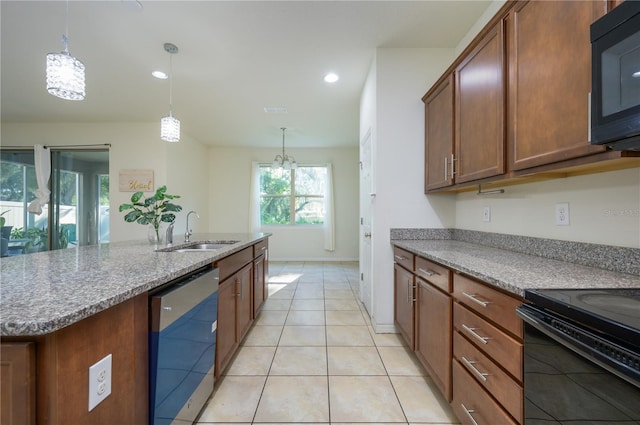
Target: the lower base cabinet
pixel 18 380
pixel 471 404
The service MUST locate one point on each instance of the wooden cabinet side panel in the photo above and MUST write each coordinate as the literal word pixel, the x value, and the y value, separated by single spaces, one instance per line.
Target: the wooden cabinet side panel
pixel 115 331
pixel 439 136
pixel 260 290
pixel 18 383
pixel 479 111
pixel 549 81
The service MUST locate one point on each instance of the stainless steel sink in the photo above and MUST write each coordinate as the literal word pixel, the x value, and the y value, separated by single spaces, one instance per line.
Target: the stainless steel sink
pixel 199 246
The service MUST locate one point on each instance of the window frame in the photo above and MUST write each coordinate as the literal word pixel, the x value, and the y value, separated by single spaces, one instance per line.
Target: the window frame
pixel 292 196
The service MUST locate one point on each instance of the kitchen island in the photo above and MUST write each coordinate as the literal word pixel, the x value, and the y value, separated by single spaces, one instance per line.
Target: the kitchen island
pixel 64 310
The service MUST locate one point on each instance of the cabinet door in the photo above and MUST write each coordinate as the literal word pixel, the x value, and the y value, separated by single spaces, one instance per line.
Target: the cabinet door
pixel 433 334
pixel 244 312
pixel 479 117
pixel 550 79
pixel 438 143
pixel 404 303
pixel 260 290
pixel 226 332
pixel 18 372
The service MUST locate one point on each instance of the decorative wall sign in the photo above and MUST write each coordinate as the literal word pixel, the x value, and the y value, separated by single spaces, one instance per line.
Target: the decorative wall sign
pixel 136 181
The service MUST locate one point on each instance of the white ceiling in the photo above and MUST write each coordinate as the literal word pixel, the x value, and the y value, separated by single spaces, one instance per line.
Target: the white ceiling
pixel 235 59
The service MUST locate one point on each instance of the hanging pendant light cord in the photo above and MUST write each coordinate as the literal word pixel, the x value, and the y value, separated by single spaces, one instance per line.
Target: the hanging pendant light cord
pixel 65 36
pixel 170 84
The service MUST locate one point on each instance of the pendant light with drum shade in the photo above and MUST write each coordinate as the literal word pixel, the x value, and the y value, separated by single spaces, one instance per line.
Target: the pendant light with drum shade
pixel 170 125
pixel 65 74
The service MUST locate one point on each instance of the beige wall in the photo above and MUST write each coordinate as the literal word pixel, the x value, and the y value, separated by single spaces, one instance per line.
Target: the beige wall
pixel 229 188
pixel 604 208
pixel 181 166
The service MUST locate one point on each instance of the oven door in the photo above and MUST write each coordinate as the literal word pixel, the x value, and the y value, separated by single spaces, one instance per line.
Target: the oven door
pixel 566 382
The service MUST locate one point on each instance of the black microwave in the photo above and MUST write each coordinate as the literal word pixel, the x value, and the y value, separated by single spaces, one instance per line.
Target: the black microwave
pixel 615 91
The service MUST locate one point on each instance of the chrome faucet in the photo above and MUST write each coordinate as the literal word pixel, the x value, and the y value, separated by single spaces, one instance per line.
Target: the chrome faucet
pixel 169 237
pixel 189 232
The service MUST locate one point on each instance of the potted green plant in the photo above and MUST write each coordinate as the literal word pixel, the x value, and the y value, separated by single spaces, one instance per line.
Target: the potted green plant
pixel 152 210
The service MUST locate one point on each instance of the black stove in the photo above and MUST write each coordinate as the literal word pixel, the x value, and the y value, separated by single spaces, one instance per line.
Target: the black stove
pixel 613 314
pixel 581 356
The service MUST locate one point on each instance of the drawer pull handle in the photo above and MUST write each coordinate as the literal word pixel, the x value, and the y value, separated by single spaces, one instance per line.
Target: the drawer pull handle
pixel 471 366
pixel 263 248
pixel 472 332
pixel 469 412
pixel 474 299
pixel 400 257
pixel 427 272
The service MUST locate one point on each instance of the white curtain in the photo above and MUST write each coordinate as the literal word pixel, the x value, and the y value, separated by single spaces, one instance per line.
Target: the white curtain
pixel 43 172
pixel 254 200
pixel 329 222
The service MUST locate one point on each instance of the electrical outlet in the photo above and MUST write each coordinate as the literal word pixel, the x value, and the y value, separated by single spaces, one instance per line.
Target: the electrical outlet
pixel 486 214
pixel 99 382
pixel 562 214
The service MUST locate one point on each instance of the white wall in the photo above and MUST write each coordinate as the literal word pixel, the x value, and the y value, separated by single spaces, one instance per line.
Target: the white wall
pixel 229 188
pixel 604 208
pixel 391 107
pixel 181 166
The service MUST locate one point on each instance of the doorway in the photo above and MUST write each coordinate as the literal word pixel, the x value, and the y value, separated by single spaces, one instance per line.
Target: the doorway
pixel 367 196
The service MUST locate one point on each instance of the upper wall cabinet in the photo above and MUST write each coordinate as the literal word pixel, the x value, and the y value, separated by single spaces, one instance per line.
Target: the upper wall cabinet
pixel 439 135
pixel 549 81
pixel 479 106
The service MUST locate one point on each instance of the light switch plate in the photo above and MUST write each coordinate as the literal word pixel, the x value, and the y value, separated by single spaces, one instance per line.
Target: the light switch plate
pixel 99 382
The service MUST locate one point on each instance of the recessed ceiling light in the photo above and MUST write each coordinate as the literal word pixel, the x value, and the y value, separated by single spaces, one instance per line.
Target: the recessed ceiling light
pixel 331 77
pixel 159 74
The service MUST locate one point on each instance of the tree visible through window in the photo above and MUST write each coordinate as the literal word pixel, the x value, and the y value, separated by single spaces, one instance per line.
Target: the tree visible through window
pixel 292 196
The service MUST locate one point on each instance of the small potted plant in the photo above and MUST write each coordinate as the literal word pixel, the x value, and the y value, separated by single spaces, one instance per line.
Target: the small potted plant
pixel 151 211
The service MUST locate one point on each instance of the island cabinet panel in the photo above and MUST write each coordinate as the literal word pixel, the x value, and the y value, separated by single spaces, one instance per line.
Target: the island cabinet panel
pixel 18 381
pixel 235 304
pixel 549 65
pixel 439 135
pixel 479 110
pixel 260 290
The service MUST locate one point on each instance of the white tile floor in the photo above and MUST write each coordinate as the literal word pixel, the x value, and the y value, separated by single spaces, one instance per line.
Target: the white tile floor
pixel 312 357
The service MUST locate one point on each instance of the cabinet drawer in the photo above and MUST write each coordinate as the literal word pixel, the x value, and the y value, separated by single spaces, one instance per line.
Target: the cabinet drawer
pixel 472 404
pixel 503 349
pixel 260 248
pixel 404 258
pixel 436 274
pixel 231 264
pixel 503 388
pixel 491 303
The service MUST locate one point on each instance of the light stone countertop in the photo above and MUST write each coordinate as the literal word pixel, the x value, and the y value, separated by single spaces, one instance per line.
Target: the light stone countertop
pixel 515 272
pixel 46 291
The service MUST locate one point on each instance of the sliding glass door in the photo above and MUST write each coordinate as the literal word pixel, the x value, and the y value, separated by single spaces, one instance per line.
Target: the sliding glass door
pixel 77 212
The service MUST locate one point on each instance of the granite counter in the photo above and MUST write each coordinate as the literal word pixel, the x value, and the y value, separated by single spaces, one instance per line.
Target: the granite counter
pixel 43 292
pixel 515 272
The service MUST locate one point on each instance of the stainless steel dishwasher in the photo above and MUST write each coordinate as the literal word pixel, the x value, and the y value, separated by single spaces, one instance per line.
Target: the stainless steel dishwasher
pixel 182 347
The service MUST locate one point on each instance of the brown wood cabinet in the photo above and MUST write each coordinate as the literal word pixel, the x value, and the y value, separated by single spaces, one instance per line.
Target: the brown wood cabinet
pixel 479 106
pixel 433 334
pixel 439 139
pixel 235 305
pixel 520 102
pixel 404 303
pixel 260 275
pixel 488 351
pixel 549 53
pixel 18 380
